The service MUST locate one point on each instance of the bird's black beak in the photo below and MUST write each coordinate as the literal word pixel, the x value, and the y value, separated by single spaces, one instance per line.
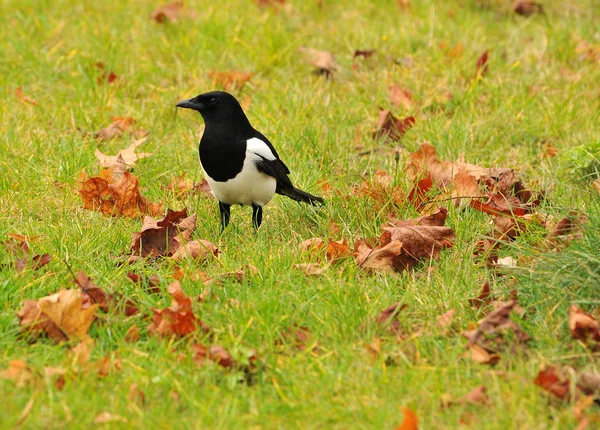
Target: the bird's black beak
pixel 190 104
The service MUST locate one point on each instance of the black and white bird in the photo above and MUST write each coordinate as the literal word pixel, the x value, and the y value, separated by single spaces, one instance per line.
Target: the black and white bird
pixel 240 164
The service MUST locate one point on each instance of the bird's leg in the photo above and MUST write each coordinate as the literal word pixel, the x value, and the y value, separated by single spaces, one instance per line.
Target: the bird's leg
pixel 256 216
pixel 225 210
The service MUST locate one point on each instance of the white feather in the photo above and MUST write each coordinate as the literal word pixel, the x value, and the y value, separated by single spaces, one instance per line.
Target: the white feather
pixel 250 186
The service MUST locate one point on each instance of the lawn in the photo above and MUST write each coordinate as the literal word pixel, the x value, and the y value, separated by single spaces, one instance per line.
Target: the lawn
pixel 308 351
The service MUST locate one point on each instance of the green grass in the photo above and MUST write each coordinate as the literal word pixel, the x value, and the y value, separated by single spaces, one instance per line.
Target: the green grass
pixel 538 90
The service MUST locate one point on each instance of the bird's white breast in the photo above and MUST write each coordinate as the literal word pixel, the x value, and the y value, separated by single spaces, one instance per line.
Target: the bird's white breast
pixel 250 186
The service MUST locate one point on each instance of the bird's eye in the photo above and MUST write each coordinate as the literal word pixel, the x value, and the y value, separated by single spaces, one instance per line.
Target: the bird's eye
pixel 213 101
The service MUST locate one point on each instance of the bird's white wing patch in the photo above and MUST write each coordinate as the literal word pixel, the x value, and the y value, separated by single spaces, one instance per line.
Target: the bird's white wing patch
pixel 259 147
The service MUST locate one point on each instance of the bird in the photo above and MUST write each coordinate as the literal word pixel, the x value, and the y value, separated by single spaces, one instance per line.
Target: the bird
pixel 240 164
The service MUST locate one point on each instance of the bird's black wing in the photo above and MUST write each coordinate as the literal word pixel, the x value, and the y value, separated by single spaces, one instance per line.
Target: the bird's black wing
pixel 260 136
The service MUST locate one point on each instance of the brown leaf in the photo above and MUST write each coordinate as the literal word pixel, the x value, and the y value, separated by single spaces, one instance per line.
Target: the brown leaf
pixel 418 192
pixel 107 417
pixel 127 156
pixel 379 258
pixel 17 371
pixel 178 319
pixel 410 421
pixel 381 189
pixel 203 187
pixel 444 322
pixel 107 76
pixel 323 61
pixel 391 128
pixel 583 325
pixel 173 12
pixel 527 8
pixel 496 330
pixel 437 219
pixel 484 297
pixel 337 250
pixel 500 205
pixel 482 356
pixel 477 396
pixel 230 81
pixel 365 53
pixel 25 99
pixel 298 336
pixel 388 319
pixel 553 381
pixel 35 263
pixel 133 334
pixel 197 250
pixel 181 185
pixel 400 97
pixel 589 382
pixel 152 282
pixel 215 353
pixel 123 198
pixel 136 395
pixel 163 237
pixel 311 269
pixel 482 64
pixel 61 316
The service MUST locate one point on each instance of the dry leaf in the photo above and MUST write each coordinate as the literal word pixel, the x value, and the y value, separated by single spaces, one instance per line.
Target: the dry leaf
pixel 553 381
pixel 311 269
pixel 482 64
pixel 400 97
pixel 107 417
pixel 133 334
pixel 388 319
pixel 583 325
pixel 482 356
pixel 527 7
pixel 25 99
pixel 17 371
pixel 127 156
pixel 391 128
pixel 444 322
pixel 178 319
pixel 230 81
pixel 410 421
pixel 121 198
pixel 323 61
pixel 61 316
pixel 173 12
pixel 484 297
pixel 365 53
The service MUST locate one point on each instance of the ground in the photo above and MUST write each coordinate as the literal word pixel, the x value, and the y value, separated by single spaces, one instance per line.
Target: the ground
pixel 540 92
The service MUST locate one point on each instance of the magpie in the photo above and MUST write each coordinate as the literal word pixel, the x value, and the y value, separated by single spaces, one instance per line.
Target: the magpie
pixel 240 164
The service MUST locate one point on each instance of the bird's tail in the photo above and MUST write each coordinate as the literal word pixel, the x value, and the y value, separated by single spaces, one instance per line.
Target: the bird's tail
pixel 301 196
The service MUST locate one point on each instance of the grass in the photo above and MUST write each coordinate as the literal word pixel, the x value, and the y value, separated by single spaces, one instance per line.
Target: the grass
pixel 538 90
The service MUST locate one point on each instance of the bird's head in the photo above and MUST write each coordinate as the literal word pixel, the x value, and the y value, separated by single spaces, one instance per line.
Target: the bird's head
pixel 215 107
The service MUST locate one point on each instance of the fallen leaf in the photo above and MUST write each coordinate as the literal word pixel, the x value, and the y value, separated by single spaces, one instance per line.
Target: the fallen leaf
pixel 477 396
pixel 482 356
pixel 391 128
pixel 133 334
pixel 300 337
pixel 178 319
pixel 381 189
pixel 410 421
pixel 588 51
pixel 436 219
pixel 484 297
pixel 337 250
pixel 527 8
pixel 35 263
pixel 230 81
pixel 444 322
pixel 181 185
pixel 388 319
pixel 127 156
pixel 215 353
pixel 583 325
pixel 589 383
pixel 107 76
pixel 136 395
pixel 496 331
pixel 152 283
pixel 311 269
pixel 400 97
pixel 323 61
pixel 123 198
pixel 25 99
pixel 197 250
pixel 91 294
pixel 173 12
pixel 553 381
pixel 418 192
pixel 17 371
pixel 107 417
pixel 61 316
pixel 365 53
pixel 482 64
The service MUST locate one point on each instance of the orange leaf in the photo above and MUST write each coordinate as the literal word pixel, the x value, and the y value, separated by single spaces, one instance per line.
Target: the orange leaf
pixel 410 420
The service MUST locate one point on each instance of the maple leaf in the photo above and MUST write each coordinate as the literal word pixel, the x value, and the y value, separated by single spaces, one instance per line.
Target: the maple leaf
pixel 436 219
pixel 323 61
pixel 391 128
pixel 381 257
pixel 230 81
pixel 400 97
pixel 173 12
pixel 25 99
pixel 482 64
pixel 496 330
pixel 417 194
pixel 178 319
pixel 163 237
pixel 583 325
pixel 61 316
pixel 122 198
pixel 127 156
pixel 93 295
pixel 410 421
pixel 380 188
